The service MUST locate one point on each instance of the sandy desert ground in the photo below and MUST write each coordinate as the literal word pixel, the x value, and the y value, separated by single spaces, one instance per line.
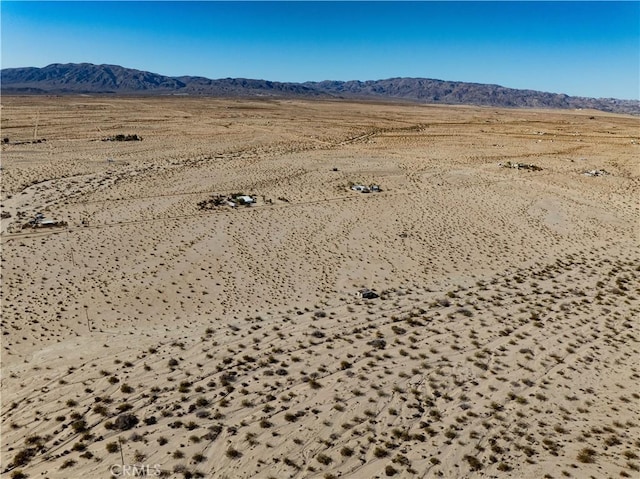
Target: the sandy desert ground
pixel 151 336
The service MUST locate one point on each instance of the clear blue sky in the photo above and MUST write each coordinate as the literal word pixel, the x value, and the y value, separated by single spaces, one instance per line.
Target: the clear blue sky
pixel 578 48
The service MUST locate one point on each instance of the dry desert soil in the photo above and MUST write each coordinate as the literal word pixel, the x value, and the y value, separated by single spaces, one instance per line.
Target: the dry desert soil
pixel 147 334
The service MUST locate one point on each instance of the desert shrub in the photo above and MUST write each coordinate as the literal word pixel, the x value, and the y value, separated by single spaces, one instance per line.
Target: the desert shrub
pixel 182 469
pixel 213 433
pixel 612 441
pixel 125 388
pixel 265 423
pixel 79 446
pixel 79 426
pixel 177 454
pixel 101 409
pixel 346 451
pixel 400 459
pixel 451 434
pixel 380 452
pixel 398 330
pixel 324 459
pixel 34 440
pixel 233 453
pixel 123 137
pixel 150 421
pixel 630 454
pixel 68 463
pixel 227 378
pixel 442 302
pixel 290 417
pixel 112 447
pixel 126 421
pixel 191 425
pixel 314 384
pixel 474 462
pixel 24 456
pixel 378 343
pixel 587 455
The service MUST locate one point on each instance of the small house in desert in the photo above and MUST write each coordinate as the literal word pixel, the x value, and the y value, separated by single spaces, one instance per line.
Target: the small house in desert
pixel 245 199
pixel 366 293
pixel 367 189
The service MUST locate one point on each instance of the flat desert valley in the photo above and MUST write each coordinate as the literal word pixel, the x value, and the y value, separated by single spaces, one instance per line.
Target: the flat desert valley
pixel 148 327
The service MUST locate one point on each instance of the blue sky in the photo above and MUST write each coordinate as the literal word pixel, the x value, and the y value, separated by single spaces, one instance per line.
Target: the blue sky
pixel 578 48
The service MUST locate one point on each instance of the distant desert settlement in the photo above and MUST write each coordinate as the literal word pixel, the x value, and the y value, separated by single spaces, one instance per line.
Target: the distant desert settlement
pixel 222 288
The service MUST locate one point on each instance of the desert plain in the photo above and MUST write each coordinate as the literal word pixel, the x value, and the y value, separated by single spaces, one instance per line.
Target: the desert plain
pixel 147 334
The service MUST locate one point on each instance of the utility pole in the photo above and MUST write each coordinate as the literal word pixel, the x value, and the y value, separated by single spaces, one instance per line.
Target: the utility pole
pixel 35 132
pixel 86 312
pixel 121 453
pixel 73 260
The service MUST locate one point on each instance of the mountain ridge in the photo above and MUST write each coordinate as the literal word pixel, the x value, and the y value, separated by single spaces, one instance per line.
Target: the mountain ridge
pixel 88 78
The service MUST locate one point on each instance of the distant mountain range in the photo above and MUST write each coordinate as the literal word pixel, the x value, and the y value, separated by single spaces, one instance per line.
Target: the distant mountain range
pixel 87 78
